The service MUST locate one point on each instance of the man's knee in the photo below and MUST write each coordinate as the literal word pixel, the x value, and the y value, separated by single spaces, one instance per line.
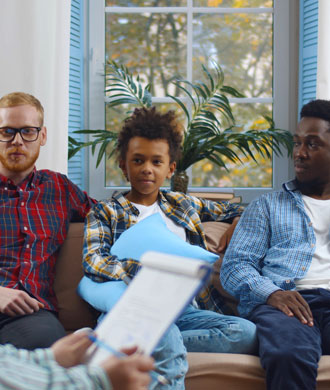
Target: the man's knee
pixel 171 342
pixel 38 330
pixel 240 335
pixel 170 356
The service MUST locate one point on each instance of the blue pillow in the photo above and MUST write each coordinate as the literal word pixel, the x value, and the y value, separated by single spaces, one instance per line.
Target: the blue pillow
pixel 151 234
pixel 102 296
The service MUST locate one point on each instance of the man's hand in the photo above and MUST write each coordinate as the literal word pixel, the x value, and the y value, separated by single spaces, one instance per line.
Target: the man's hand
pixel 226 237
pixel 70 350
pixel 17 302
pixel 292 304
pixel 129 373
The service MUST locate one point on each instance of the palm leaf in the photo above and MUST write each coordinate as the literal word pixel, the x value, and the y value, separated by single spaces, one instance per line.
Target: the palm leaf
pixel 210 132
pixel 120 79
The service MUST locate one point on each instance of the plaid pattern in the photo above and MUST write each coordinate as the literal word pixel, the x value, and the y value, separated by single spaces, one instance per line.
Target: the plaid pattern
pixel 273 245
pixel 35 218
pixel 108 219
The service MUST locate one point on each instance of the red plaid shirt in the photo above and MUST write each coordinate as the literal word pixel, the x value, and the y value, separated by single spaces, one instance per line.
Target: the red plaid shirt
pixel 35 218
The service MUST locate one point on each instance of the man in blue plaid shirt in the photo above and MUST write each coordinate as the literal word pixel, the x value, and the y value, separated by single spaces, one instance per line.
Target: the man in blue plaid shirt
pixel 278 261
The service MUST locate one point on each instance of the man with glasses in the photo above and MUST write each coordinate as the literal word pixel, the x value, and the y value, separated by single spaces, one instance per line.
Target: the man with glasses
pixel 36 208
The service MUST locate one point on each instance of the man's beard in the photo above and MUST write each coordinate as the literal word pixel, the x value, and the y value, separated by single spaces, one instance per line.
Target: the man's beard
pixel 18 166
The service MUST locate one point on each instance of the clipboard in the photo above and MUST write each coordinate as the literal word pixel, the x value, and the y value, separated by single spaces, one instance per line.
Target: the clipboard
pixel 156 297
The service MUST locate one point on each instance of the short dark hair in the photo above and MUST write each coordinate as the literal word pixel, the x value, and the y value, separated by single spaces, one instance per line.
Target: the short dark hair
pixel 318 108
pixel 151 124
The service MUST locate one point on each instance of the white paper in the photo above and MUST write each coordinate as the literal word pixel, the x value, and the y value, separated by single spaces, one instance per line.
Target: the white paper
pixel 151 303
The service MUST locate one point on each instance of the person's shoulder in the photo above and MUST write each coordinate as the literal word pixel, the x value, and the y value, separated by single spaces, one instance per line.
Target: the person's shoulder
pixel 271 199
pixel 117 201
pixel 52 175
pixel 175 197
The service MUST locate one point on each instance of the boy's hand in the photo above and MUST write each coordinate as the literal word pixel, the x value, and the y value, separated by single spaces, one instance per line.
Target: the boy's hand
pixel 70 350
pixel 17 302
pixel 129 373
pixel 225 239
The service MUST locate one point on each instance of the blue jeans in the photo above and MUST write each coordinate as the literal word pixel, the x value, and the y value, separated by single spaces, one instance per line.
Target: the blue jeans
pixel 208 331
pixel 170 357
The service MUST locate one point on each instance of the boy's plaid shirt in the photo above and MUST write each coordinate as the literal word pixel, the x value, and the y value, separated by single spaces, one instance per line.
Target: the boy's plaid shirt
pixel 35 218
pixel 109 219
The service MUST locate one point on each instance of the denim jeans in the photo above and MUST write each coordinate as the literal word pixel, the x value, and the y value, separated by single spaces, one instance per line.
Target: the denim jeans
pixel 208 331
pixel 170 361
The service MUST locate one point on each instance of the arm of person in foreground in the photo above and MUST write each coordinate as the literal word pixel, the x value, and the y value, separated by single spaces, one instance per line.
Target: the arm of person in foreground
pixel 59 367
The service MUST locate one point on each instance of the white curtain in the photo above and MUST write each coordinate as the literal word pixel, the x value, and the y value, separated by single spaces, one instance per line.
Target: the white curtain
pixel 35 47
pixel 323 66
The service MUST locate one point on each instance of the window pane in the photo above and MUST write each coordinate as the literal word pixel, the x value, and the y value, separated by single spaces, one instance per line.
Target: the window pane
pixel 241 44
pixel 249 174
pixel 154 45
pixel 233 3
pixel 146 3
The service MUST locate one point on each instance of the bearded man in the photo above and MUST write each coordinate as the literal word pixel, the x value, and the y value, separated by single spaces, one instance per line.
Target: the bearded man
pixel 36 209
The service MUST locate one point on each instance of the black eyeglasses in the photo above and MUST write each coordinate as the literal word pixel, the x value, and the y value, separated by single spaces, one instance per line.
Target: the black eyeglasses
pixel 28 134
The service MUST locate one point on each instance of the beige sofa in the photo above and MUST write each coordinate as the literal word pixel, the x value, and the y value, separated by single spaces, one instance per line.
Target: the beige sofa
pixel 207 371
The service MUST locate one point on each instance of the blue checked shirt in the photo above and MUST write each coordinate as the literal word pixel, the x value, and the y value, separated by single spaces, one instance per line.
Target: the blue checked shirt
pixel 38 370
pixel 273 244
pixel 109 219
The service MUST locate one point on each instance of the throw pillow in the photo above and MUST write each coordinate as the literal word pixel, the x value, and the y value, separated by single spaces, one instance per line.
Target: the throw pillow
pixel 149 234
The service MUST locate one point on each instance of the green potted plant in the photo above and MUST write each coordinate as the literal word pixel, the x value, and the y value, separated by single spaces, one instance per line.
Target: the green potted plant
pixel 209 131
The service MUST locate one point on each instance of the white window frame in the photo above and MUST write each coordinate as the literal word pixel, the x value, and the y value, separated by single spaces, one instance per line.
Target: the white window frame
pixel 285 71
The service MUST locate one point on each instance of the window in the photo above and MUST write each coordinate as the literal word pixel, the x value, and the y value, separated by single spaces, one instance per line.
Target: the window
pixel 252 40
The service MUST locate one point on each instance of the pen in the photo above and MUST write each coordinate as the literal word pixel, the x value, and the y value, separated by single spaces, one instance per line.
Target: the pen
pixel 99 343
pixel 105 346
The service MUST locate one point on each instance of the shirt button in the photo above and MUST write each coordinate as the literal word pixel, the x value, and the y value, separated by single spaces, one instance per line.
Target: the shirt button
pixel 303 268
pixel 25 228
pixel 22 204
pixel 310 224
pixel 6 188
pixel 288 281
pixel 28 246
pixel 20 189
pixel 312 245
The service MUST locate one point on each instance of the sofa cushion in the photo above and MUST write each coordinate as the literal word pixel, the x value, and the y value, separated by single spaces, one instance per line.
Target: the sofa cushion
pixel 74 313
pixel 215 371
pixel 228 371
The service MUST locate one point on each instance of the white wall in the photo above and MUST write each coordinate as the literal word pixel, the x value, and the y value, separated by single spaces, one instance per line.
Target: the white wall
pixel 34 47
